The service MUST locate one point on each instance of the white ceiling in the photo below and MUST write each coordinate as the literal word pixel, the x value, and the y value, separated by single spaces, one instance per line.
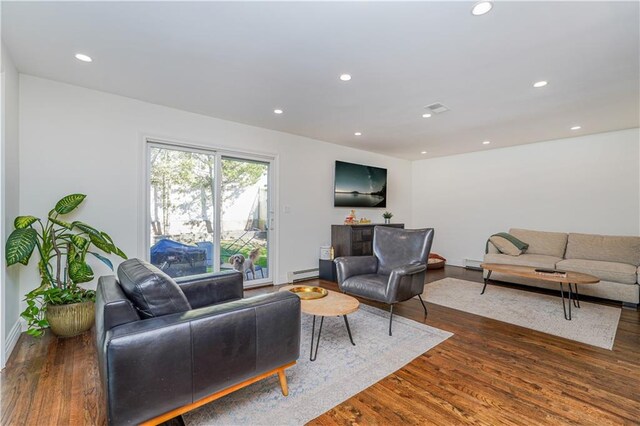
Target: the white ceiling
pixel 239 61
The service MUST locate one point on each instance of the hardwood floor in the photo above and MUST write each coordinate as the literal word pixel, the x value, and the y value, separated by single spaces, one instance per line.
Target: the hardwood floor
pixel 489 372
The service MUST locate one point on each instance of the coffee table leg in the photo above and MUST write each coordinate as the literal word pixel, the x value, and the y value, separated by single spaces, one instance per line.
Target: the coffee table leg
pixel 346 322
pixel 312 355
pixel 486 280
pixel 576 296
pixel 564 308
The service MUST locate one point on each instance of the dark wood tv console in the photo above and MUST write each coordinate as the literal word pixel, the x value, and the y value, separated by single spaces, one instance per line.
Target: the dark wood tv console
pixel 350 240
pixel 355 240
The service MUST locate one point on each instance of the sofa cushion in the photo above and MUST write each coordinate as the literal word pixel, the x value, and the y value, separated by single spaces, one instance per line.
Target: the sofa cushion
pixel 506 246
pixel 151 291
pixel 604 247
pixel 535 260
pixel 606 271
pixel 546 243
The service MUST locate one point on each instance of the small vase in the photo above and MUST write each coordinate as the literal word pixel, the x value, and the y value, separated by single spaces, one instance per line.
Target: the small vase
pixel 387 220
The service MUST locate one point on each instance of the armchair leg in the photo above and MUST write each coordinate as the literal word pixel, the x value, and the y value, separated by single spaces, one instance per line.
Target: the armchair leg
pixel 283 382
pixel 423 305
pixel 390 318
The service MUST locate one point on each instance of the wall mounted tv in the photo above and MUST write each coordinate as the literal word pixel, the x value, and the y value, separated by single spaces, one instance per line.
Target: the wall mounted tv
pixel 359 186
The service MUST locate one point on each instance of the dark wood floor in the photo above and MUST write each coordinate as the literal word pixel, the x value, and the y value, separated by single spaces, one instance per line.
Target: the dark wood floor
pixel 489 373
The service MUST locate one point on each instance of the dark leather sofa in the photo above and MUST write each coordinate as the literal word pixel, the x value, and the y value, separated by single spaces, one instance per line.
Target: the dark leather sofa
pixel 164 345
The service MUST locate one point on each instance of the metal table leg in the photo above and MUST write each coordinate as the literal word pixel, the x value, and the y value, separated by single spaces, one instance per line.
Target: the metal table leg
pixel 568 318
pixel 312 355
pixel 576 295
pixel 486 280
pixel 346 322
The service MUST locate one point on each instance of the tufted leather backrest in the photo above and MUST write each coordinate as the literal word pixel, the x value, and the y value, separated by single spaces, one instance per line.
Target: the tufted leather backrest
pixel 151 291
pixel 396 247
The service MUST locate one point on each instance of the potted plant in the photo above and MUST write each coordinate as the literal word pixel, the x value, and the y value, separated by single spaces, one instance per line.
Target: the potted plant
pixel 59 302
pixel 387 217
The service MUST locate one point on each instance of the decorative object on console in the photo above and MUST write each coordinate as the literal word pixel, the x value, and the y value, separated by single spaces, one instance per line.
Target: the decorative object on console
pixel 351 218
pixel 359 186
pixel 387 217
pixel 59 303
pixel 325 253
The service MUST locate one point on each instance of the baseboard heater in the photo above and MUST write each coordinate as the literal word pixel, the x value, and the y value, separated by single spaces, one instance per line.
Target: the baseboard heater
pixel 301 275
pixel 472 264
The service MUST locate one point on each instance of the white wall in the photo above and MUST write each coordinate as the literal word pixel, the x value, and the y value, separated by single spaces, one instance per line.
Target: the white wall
pixel 9 200
pixel 78 140
pixel 585 184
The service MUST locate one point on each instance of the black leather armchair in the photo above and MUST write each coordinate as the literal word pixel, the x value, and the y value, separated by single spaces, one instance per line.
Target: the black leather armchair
pixel 165 346
pixel 395 272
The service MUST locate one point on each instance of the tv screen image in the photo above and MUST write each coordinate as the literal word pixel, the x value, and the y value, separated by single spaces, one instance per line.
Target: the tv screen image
pixel 357 185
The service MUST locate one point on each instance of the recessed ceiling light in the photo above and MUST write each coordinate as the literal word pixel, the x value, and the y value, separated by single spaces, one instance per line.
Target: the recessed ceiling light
pixel 345 77
pixel 358 133
pixel 539 84
pixel 576 128
pixel 486 142
pixel 481 8
pixel 278 111
pixel 423 152
pixel 427 115
pixel 83 58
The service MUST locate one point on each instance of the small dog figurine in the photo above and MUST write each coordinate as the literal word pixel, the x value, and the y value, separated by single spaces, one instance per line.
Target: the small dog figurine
pixel 240 263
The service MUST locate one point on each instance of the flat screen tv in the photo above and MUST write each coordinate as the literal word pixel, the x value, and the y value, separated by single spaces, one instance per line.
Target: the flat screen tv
pixel 359 186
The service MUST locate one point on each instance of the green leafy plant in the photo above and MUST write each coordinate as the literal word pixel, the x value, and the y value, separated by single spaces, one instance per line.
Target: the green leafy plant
pixel 63 248
pixel 387 215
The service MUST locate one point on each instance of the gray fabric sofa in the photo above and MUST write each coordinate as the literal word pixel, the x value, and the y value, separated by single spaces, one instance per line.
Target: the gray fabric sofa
pixel 613 259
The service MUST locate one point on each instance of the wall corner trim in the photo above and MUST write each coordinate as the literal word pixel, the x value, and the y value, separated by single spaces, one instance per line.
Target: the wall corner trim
pixel 12 340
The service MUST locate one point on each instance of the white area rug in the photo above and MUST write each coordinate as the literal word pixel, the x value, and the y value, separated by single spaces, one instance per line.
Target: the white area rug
pixel 340 371
pixel 592 324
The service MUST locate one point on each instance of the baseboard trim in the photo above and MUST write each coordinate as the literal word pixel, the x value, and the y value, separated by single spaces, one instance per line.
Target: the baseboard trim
pixel 12 340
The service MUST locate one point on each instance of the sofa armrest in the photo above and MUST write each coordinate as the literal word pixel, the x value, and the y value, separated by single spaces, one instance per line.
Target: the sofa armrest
pixel 349 266
pixel 113 308
pixel 159 364
pixel 209 289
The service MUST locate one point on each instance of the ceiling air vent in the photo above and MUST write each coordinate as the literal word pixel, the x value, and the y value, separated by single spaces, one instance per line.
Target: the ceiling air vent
pixel 437 108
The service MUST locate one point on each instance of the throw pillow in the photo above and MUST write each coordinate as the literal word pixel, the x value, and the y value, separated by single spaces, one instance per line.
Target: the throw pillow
pixel 508 244
pixel 152 292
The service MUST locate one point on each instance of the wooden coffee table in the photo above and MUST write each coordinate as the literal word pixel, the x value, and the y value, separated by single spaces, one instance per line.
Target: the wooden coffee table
pixel 572 279
pixel 334 304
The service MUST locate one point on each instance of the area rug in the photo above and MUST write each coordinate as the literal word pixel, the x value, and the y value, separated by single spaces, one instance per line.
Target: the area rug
pixel 592 324
pixel 339 372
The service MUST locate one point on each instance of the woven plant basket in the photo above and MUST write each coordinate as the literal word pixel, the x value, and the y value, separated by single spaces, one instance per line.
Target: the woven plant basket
pixel 70 320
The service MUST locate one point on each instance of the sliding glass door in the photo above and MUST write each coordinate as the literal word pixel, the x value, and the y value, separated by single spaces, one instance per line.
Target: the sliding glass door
pixel 244 217
pixel 208 212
